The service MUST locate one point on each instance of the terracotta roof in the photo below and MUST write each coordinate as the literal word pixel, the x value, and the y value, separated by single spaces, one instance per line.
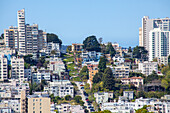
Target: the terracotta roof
pixel 136 78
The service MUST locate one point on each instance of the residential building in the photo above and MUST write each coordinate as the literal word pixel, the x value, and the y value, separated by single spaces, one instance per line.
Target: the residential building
pixel 3 68
pixel 159 43
pixel 90 56
pixel 137 81
pixel 60 88
pixel 25 38
pixel 140 37
pixel 53 46
pixel 130 107
pixel 21 32
pixel 17 68
pixel 77 47
pixel 121 71
pixel 163 60
pixel 128 94
pixel 150 24
pixel 67 108
pixel 41 74
pixel 27 74
pixel 38 103
pixel 102 97
pixel 11 37
pixel 148 67
pixel 118 58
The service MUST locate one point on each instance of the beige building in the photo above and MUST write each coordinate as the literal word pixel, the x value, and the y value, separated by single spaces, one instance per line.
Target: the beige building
pixel 77 47
pixel 137 81
pixel 38 103
pixel 140 37
pixel 121 71
pixel 11 37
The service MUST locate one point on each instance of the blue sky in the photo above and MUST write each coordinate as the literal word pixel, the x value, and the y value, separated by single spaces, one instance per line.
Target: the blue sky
pixel 74 20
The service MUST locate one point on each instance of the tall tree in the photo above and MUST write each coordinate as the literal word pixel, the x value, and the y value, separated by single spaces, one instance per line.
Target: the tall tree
pixel 91 44
pixel 84 73
pixel 51 37
pixel 140 52
pixel 102 64
pixel 108 79
pixel 110 50
pixel 151 77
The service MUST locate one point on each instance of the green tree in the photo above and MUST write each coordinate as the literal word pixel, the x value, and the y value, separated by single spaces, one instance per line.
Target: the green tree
pixel 77 99
pixel 69 49
pixel 84 73
pixel 165 69
pixel 142 110
pixel 151 77
pixel 129 49
pixel 97 77
pixel 164 83
pixel 140 52
pixel 102 64
pixel 110 50
pixel 67 97
pixel 108 79
pixel 51 37
pixel 91 44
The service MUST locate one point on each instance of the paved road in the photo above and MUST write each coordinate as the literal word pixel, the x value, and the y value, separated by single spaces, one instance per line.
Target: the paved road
pixel 82 95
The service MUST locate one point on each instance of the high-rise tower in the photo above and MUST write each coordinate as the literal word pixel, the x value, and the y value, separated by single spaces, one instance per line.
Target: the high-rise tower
pixel 21 31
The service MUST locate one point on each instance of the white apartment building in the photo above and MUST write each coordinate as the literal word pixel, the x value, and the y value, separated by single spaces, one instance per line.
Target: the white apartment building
pixel 25 38
pixel 102 97
pixel 118 58
pixel 41 74
pixel 17 68
pixel 60 88
pixel 128 94
pixel 163 60
pixel 137 81
pixel 148 67
pixel 130 107
pixel 150 24
pixel 121 71
pixel 21 32
pixel 3 68
pixel 67 108
pixel 53 46
pixel 159 43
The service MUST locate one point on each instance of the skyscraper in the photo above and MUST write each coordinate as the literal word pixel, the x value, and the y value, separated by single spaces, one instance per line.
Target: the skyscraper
pixel 26 39
pixel 159 43
pixel 150 24
pixel 21 31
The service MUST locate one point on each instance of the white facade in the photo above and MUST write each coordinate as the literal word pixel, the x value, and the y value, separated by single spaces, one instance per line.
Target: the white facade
pixel 118 58
pixel 130 107
pixel 3 68
pixel 150 24
pixel 52 46
pixel 17 68
pixel 121 71
pixel 148 67
pixel 60 88
pixel 128 94
pixel 21 31
pixel 41 74
pixel 159 43
pixel 102 97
